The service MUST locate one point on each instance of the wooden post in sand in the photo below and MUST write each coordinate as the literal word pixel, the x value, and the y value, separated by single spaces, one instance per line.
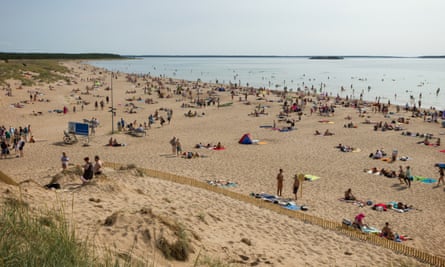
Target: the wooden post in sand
pixel 112 109
pixel 301 179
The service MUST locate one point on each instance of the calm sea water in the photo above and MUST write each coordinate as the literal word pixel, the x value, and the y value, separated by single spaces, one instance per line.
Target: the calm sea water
pixel 398 80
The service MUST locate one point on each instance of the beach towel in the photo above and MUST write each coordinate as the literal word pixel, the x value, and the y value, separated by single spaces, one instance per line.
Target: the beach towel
pixel 428 181
pixel 370 230
pixel 309 177
pixel 217 148
pixel 370 172
pixel 291 206
pixel 442 151
pixel 222 183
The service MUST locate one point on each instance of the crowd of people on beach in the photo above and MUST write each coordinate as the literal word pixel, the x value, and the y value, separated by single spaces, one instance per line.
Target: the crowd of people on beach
pixel 14 139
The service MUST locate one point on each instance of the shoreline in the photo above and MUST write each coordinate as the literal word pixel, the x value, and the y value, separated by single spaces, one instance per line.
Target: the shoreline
pixel 293 83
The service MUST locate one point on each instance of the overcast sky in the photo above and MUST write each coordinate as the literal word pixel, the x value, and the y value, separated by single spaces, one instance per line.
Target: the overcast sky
pixel 225 27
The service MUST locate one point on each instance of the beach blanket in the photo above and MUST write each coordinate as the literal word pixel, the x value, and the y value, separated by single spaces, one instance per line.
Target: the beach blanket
pixel 283 202
pixel 426 180
pixel 217 148
pixel 225 104
pixel 370 172
pixel 326 121
pixel 354 202
pixel 222 183
pixel 442 151
pixel 370 230
pixel 310 177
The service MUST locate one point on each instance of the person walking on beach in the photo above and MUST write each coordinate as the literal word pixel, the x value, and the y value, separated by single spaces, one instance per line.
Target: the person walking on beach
pixel 21 145
pixel 296 186
pixel 64 160
pixel 280 179
pixel 178 147
pixel 408 176
pixel 173 144
pixel 441 171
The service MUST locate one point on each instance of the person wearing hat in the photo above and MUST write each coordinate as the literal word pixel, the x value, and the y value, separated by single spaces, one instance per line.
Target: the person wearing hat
pixel 359 221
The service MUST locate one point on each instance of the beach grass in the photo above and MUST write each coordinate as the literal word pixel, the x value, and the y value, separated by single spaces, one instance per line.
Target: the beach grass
pixel 45 239
pixel 32 72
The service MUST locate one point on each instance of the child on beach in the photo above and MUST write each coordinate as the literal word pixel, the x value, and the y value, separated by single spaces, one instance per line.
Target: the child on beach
pixel 64 160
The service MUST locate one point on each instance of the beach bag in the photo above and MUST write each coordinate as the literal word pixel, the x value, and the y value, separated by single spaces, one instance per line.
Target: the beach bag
pixel 53 185
pixel 347 222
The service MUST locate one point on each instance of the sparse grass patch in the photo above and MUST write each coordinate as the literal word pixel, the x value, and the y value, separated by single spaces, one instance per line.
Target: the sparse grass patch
pixel 179 250
pixel 30 72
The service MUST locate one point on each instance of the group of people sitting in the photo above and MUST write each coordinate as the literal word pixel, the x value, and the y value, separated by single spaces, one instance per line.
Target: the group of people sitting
pixel 191 155
pixel 385 172
pixel 379 153
pixel 386 232
pixel 326 133
pixel 427 142
pixel 210 146
pixel 387 126
pixel 350 125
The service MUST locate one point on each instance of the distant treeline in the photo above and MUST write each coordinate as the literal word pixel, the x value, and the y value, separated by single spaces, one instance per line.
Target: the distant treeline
pixel 11 56
pixel 432 57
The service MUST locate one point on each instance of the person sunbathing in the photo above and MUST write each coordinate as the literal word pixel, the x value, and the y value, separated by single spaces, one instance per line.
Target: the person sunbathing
pixel 387 232
pixel 115 143
pixel 349 195
pixel 328 133
pixel 219 146
pixel 378 154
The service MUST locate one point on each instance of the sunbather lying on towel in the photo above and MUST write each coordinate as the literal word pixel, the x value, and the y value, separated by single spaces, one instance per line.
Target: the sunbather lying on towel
pixel 389 234
pixel 191 155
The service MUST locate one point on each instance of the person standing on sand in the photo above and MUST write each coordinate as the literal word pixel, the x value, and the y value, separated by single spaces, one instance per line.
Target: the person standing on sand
pixel 21 145
pixel 64 160
pixel 280 179
pixel 441 171
pixel 178 147
pixel 296 186
pixel 408 176
pixel 173 144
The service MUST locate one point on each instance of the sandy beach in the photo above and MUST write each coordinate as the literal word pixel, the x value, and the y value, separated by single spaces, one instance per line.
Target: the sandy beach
pixel 220 227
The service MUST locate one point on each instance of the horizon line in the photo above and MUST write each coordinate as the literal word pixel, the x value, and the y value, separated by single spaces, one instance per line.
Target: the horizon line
pixel 278 56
